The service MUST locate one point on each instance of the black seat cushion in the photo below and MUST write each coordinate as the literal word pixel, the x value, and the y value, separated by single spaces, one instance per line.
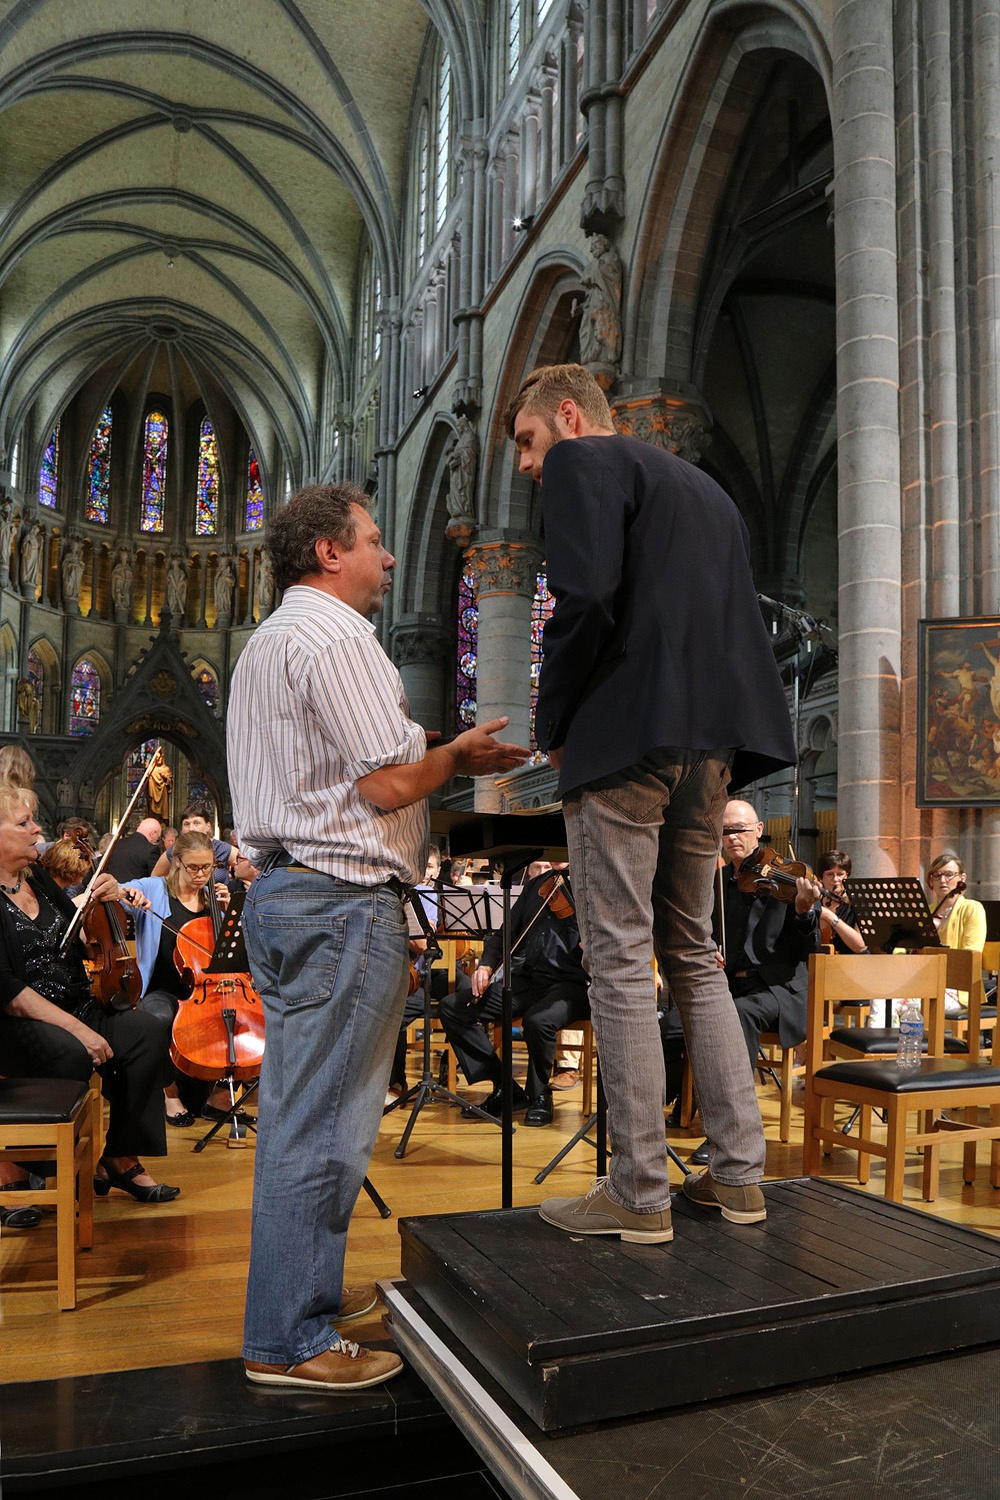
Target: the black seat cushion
pixel 986 1012
pixel 40 1101
pixel 933 1073
pixel 881 1040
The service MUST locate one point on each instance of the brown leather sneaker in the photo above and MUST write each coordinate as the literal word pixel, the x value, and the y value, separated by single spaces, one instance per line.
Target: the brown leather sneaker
pixel 346 1367
pixel 355 1302
pixel 597 1213
pixel 740 1204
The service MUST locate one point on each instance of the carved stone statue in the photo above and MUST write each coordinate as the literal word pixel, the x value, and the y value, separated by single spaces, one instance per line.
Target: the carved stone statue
pixel 463 460
pixel 28 706
pixel 177 586
pixel 601 326
pixel 121 581
pixel 224 588
pixel 64 793
pixel 158 792
pixel 31 557
pixel 72 571
pixel 7 524
pixel 265 582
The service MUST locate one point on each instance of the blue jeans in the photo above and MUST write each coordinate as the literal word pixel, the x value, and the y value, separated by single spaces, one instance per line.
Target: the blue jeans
pixel 331 962
pixel 643 849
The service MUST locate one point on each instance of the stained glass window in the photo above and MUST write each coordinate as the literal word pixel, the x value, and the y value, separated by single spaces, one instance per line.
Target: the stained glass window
pixel 15 464
pixel 207 506
pixel 137 762
pixel 84 698
pixel 541 608
pixel 467 652
pixel 442 165
pixel 49 472
pixel 207 684
pixel 99 470
pixel 255 495
pixel 154 472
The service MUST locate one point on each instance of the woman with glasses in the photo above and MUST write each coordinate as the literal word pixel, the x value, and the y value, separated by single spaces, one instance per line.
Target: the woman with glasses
pixel 171 900
pixel 960 921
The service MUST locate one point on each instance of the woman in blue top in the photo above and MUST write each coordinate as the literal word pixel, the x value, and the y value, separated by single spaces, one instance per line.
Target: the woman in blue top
pixel 170 901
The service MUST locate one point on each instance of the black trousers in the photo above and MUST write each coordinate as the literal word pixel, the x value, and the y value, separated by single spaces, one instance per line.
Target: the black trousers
pixel 413 1011
pixel 132 1082
pixel 545 1006
pixel 194 1093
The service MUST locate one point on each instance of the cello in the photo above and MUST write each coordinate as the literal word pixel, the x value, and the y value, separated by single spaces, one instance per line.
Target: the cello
pixel 218 1031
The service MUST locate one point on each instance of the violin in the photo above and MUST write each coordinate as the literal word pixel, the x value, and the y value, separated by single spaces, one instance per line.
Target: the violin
pixel 111 965
pixel 765 872
pixel 218 1030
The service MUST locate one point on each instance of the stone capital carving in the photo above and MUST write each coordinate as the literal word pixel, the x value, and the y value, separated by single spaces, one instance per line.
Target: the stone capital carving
pixel 417 643
pixel 665 422
pixel 504 568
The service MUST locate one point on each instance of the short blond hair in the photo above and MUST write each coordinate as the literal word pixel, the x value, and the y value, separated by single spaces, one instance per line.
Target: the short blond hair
pixel 13 796
pixel 549 385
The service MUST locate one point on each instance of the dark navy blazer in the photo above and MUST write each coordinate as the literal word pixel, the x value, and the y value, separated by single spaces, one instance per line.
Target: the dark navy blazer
pixel 656 637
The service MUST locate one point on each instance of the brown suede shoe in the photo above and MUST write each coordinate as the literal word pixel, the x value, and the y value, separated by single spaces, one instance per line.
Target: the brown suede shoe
pixel 346 1367
pixel 355 1302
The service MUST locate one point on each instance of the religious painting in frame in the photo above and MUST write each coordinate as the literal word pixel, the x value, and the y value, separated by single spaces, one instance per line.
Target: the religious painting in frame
pixel 958 708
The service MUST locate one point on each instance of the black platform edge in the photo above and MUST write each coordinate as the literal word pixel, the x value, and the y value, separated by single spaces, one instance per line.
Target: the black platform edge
pixel 92 1429
pixel 916 1427
pixel 580 1329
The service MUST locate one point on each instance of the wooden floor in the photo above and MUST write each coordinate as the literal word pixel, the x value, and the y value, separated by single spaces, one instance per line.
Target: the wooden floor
pixel 165 1284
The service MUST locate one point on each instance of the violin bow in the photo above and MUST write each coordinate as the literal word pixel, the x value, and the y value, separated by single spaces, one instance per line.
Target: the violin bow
pixel 74 927
pixel 557 886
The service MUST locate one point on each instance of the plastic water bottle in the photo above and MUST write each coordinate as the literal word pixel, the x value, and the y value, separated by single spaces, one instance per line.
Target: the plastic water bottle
pixel 911 1035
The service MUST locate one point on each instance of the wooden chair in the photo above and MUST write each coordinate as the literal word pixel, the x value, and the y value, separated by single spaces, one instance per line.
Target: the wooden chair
pixel 784 1061
pixel 876 1082
pixel 584 1061
pixel 42 1118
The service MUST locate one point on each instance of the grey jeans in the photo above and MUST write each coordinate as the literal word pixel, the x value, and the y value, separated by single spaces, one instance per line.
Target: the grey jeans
pixel 643 851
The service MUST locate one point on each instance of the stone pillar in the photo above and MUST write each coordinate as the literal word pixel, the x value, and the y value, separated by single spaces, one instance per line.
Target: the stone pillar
pixel 547 85
pixel 505 573
pixel 569 86
pixel 529 153
pixel 864 142
pixel 602 103
pixel 419 649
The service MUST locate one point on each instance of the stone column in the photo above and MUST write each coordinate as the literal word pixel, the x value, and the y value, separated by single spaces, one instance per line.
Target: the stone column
pixel 505 573
pixel 419 649
pixel 569 87
pixel 680 425
pixel 547 84
pixel 602 103
pixel 864 142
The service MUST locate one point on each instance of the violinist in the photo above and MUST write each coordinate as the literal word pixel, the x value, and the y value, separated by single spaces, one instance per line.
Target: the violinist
pixel 50 1026
pixel 549 986
pixel 169 902
pixel 960 921
pixel 838 922
pixel 767 947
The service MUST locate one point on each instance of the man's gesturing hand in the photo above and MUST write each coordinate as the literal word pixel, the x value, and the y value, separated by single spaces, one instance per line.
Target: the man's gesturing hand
pixel 479 754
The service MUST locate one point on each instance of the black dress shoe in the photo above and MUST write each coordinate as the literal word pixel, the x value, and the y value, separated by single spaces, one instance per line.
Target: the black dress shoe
pixel 158 1192
pixel 28 1217
pixel 540 1109
pixel 493 1104
pixel 699 1157
pixel 182 1120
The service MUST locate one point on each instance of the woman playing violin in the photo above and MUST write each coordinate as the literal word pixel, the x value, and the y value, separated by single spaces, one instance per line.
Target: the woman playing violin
pixel 168 902
pixel 50 1026
pixel 838 923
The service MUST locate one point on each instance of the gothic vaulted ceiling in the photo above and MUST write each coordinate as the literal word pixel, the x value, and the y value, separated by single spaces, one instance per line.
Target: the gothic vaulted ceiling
pixel 192 177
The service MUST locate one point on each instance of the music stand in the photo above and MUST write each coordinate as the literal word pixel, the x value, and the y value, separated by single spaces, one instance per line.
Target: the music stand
pixel 461 912
pixel 892 913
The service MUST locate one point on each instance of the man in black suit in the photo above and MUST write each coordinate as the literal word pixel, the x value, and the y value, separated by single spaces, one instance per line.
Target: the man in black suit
pixel 134 856
pixel 767 947
pixel 658 690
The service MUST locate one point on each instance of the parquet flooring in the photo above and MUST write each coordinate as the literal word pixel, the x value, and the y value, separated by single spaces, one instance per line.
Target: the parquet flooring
pixel 165 1284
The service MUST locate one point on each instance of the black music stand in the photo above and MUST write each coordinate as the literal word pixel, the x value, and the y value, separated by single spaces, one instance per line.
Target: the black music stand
pixel 477 924
pixel 892 913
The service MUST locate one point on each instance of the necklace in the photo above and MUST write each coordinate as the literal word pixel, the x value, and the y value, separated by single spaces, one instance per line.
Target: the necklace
pixel 12 890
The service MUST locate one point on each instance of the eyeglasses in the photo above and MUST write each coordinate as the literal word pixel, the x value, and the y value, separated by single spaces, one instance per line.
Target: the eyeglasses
pixel 945 875
pixel 729 833
pixel 198 869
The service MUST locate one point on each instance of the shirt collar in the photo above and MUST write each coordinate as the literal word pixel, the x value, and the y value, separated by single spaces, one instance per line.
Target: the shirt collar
pixel 302 593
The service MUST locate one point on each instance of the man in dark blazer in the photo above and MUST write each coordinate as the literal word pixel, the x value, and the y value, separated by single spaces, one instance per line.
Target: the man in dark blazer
pixel 658 690
pixel 134 856
pixel 767 947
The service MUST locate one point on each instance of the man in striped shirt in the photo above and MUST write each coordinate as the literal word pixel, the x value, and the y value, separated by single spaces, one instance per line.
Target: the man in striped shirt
pixel 330 777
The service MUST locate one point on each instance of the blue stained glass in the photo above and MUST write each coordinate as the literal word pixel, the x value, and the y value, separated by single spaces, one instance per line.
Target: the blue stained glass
pixel 467 644
pixel 137 762
pixel 99 470
pixel 49 472
pixel 84 698
pixel 206 683
pixel 154 472
pixel 541 608
pixel 255 495
pixel 207 517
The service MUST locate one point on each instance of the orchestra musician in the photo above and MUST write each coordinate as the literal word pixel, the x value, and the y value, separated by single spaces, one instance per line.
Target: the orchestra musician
pixel 50 1026
pixel 658 689
pixel 330 778
pixel 960 921
pixel 838 921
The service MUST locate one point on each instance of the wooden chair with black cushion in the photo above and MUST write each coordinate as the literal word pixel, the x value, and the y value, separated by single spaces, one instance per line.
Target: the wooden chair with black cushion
pixel 878 1083
pixel 42 1119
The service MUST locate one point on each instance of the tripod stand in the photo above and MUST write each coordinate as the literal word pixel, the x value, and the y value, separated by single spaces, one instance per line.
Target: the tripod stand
pixel 600 1145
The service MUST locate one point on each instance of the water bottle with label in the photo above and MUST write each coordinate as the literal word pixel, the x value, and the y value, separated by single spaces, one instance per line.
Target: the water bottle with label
pixel 911 1035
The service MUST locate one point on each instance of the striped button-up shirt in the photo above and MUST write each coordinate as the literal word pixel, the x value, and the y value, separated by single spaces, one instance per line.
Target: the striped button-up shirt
pixel 315 704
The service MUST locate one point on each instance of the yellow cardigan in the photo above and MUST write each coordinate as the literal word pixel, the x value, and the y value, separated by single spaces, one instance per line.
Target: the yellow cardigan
pixel 964 926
